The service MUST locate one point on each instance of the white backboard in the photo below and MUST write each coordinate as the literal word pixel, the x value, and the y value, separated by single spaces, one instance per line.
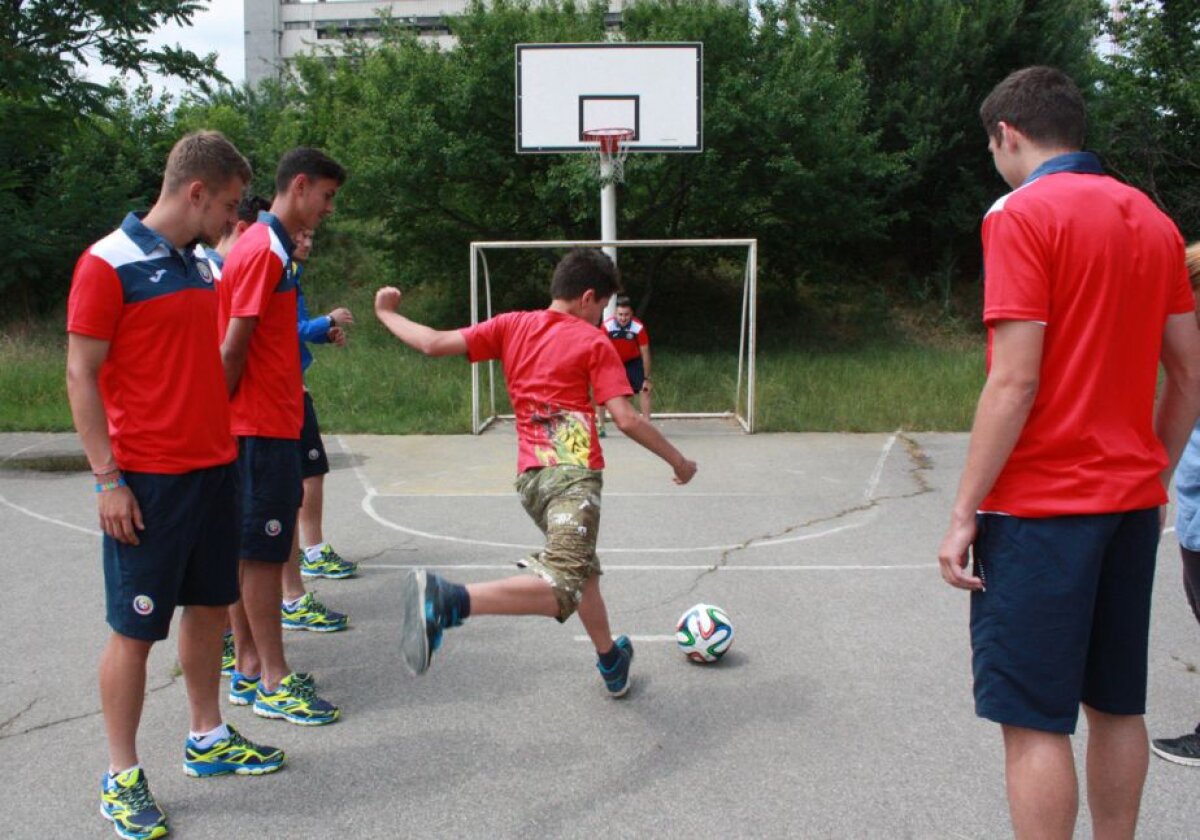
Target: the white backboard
pixel 653 88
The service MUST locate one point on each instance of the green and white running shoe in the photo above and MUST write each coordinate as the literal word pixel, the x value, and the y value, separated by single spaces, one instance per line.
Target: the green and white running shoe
pixel 125 799
pixel 231 755
pixel 329 564
pixel 295 701
pixel 311 614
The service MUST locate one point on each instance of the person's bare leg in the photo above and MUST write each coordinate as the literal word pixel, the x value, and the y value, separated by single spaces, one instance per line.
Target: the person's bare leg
pixel 245 652
pixel 312 511
pixel 1043 795
pixel 520 595
pixel 261 596
pixel 200 632
pixel 1117 760
pixel 644 400
pixel 594 614
pixel 292 583
pixel 122 694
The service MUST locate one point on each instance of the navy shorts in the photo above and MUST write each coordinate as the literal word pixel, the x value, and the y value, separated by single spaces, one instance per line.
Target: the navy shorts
pixel 1064 617
pixel 313 461
pixel 187 555
pixel 635 372
pixel 271 494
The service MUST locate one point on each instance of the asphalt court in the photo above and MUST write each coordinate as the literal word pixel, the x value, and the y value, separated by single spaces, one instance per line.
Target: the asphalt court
pixel 843 709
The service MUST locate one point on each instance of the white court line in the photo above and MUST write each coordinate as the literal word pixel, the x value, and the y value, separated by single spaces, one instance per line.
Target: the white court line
pixel 664 567
pixel 38 516
pixel 50 519
pixel 634 638
pixel 877 473
pixel 370 494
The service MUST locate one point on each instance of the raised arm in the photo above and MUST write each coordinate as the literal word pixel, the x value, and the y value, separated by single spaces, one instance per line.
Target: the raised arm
pixel 419 337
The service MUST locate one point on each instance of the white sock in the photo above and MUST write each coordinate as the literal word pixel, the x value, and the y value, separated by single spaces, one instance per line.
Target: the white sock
pixel 313 552
pixel 204 740
pixel 112 774
pixel 291 605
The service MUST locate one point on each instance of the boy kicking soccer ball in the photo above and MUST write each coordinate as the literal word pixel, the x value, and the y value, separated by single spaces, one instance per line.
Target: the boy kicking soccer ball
pixel 554 361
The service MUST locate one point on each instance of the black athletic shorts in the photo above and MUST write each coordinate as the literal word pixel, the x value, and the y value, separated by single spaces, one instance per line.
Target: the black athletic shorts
pixel 313 460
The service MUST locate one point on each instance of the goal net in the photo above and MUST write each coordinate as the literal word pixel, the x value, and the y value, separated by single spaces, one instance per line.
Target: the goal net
pixel 740 403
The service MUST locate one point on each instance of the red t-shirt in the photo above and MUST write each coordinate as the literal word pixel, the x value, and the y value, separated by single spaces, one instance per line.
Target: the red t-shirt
pixel 162 382
pixel 629 339
pixel 269 400
pixel 1102 268
pixel 552 361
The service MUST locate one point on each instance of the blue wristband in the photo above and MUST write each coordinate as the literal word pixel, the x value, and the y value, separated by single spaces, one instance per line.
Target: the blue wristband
pixel 110 485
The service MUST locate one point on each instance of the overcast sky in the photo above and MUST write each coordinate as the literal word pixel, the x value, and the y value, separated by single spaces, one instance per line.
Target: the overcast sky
pixel 218 28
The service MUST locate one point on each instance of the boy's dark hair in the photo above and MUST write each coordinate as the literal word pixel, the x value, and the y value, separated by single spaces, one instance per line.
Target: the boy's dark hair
pixel 1043 103
pixel 623 300
pixel 250 206
pixel 305 161
pixel 583 269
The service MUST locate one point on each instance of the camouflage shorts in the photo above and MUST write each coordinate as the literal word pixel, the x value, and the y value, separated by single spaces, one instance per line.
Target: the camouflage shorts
pixel 564 502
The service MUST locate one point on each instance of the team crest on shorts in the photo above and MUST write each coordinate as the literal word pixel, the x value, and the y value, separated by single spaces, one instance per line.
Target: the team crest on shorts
pixel 143 604
pixel 313 454
pixel 274 528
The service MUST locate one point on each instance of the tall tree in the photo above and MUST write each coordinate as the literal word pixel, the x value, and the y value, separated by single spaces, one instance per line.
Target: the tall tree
pixel 1147 116
pixel 46 103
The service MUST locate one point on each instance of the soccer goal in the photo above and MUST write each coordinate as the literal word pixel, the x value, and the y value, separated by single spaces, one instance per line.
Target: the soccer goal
pixel 740 406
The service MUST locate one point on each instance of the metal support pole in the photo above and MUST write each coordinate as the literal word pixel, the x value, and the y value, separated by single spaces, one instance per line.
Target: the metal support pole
pixel 608 219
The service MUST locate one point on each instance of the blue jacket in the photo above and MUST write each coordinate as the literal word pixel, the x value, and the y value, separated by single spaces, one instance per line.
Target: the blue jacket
pixel 312 330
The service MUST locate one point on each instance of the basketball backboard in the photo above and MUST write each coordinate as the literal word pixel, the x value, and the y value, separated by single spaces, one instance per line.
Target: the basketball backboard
pixel 656 89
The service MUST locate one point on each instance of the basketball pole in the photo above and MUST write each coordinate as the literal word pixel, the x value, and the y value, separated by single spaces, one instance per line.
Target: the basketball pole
pixel 608 219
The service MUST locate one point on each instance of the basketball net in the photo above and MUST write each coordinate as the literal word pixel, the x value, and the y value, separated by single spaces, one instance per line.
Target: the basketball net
pixel 609 152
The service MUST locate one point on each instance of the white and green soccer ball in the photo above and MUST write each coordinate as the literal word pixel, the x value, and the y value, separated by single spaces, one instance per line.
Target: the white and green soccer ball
pixel 704 633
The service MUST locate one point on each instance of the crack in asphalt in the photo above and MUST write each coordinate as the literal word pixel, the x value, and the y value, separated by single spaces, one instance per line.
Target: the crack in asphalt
pixel 919 463
pixel 59 721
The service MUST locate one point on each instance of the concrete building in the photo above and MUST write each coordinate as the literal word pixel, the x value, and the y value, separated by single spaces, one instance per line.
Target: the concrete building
pixel 278 30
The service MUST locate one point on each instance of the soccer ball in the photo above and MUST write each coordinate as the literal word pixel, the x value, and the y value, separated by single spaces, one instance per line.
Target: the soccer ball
pixel 704 633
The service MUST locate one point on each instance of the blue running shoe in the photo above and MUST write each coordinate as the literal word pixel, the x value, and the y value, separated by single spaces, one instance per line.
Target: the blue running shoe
pixel 311 614
pixel 428 610
pixel 329 564
pixel 296 702
pixel 230 755
pixel 242 689
pixel 616 680
pixel 125 799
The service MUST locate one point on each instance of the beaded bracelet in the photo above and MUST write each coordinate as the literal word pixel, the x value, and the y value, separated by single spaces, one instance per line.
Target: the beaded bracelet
pixel 110 485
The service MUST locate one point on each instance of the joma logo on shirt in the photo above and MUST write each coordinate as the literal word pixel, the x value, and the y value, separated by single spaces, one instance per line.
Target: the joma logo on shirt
pixel 158 275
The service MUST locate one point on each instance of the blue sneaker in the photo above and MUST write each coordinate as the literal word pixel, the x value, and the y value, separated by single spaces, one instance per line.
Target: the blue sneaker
pixel 126 801
pixel 311 614
pixel 230 755
pixel 242 689
pixel 295 701
pixel 616 680
pixel 427 612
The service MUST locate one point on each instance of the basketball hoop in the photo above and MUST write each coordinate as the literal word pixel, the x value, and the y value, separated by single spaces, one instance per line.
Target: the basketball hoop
pixel 610 151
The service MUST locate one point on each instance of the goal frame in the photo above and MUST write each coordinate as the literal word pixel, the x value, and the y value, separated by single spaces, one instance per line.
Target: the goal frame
pixel 743 397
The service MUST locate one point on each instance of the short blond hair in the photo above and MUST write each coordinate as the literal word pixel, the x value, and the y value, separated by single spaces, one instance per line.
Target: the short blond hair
pixel 1193 263
pixel 205 156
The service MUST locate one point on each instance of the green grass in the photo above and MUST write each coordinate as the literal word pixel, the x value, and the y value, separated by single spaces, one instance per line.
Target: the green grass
pixel 375 385
pixel 33 388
